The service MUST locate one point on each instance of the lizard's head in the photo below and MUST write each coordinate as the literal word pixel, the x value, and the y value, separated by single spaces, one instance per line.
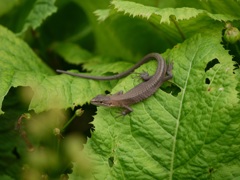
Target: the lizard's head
pixel 101 100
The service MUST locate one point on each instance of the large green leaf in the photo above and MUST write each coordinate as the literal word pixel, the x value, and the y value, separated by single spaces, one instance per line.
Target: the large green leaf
pixel 164 14
pixel 173 24
pixel 113 36
pixel 19 66
pixel 192 135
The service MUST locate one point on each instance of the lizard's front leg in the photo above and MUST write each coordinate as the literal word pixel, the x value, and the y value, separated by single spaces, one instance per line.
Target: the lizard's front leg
pixel 126 110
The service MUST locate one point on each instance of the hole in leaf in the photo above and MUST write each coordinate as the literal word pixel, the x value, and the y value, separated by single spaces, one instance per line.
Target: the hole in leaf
pixel 171 88
pixel 15 152
pixel 211 64
pixel 210 170
pixel 207 81
pixel 111 161
pixel 107 92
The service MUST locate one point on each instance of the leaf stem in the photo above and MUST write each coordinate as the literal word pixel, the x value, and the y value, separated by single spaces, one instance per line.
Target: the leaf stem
pixel 178 28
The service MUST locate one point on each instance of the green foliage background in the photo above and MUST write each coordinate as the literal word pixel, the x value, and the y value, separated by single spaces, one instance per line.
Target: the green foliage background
pixel 189 129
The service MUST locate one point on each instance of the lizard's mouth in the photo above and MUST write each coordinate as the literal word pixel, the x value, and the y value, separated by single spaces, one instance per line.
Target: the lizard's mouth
pixel 101 100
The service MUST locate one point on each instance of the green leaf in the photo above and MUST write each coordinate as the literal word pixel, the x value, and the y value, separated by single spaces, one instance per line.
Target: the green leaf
pixel 17 62
pixel 72 53
pixel 102 14
pixel 19 66
pixel 40 10
pixel 21 15
pixel 168 137
pixel 173 24
pixel 108 41
pixel 135 9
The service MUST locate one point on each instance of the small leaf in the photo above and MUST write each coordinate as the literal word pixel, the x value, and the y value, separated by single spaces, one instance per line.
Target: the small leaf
pixel 102 14
pixel 72 53
pixel 40 11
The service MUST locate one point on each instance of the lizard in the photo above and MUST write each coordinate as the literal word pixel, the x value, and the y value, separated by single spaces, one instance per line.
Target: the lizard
pixel 138 93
